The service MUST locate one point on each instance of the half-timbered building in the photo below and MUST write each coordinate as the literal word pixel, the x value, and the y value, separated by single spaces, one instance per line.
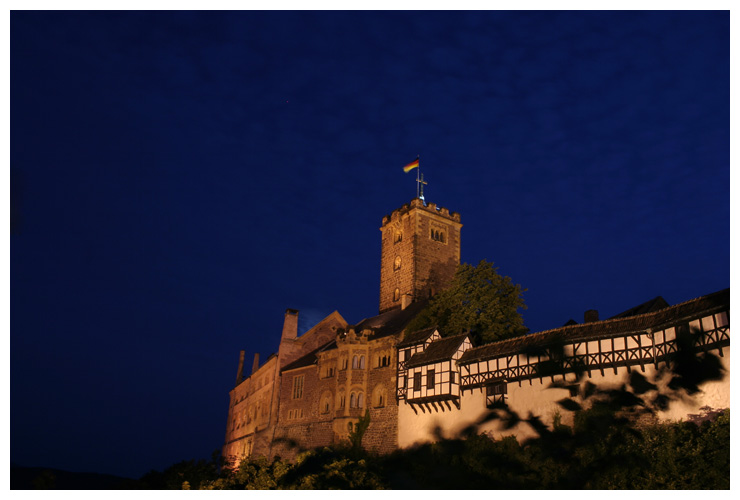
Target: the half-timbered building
pixel 520 371
pixel 433 375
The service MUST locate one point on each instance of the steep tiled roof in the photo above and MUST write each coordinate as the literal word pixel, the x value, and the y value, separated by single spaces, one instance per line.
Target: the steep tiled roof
pixel 382 325
pixel 439 350
pixel 391 322
pixel 415 338
pixel 310 358
pixel 652 305
pixel 588 331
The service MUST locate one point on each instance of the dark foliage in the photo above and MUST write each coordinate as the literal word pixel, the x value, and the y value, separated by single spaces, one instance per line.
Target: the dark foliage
pixel 479 301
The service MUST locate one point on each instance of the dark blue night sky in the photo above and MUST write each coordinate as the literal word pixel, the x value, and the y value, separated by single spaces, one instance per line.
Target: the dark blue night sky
pixel 179 179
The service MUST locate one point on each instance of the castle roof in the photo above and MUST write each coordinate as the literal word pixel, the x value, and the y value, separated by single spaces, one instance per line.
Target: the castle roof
pixel 439 350
pixel 311 358
pixel 660 319
pixel 382 325
pixel 651 305
pixel 417 337
pixel 391 322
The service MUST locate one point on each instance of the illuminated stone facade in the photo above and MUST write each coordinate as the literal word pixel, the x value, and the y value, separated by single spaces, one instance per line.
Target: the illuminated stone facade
pixel 420 251
pixel 417 384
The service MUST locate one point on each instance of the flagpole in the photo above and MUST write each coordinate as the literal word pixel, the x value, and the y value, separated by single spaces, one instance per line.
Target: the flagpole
pixel 418 169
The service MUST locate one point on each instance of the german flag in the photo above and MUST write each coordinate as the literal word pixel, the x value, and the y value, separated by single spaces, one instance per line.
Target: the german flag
pixel 414 164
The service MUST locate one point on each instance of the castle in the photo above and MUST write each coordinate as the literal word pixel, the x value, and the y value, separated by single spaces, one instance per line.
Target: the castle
pixel 416 385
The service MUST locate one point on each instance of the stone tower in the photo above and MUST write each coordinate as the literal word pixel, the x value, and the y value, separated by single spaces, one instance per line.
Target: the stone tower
pixel 420 251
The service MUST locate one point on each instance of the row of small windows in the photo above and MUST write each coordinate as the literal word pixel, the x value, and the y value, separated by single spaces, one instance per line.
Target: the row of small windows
pixel 246 416
pixel 356 400
pixel 430 381
pixel 358 363
pixel 294 414
pixel 437 235
pixel 383 361
pixel 434 234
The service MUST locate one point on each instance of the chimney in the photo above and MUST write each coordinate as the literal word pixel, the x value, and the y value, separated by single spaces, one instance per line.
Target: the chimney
pixel 290 326
pixel 405 301
pixel 591 316
pixel 256 363
pixel 240 371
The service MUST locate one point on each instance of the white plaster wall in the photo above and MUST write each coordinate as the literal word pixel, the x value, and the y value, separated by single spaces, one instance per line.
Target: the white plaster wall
pixel 541 401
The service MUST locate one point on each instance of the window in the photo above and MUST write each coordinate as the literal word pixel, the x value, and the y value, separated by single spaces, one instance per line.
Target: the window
pixel 417 381
pixel 326 403
pixel 341 401
pixel 397 263
pixel 298 387
pixel 396 294
pixel 356 400
pixel 362 362
pixel 379 396
pixel 430 379
pixel 345 362
pixel 397 236
pixel 496 393
pixel 452 377
pixel 355 362
pixel 407 354
pixel 437 235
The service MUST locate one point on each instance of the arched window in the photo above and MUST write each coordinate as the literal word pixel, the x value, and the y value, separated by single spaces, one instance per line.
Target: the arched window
pixel 352 400
pixel 396 294
pixel 362 362
pixel 360 401
pixel 379 396
pixel 398 236
pixel 355 362
pixel 442 237
pixel 341 401
pixel 397 263
pixel 326 402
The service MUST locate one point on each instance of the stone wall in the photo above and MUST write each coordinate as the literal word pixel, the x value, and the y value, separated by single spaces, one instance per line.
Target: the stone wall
pixel 420 250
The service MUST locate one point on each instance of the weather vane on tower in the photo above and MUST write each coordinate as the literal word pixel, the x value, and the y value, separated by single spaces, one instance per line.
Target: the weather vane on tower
pixel 419 177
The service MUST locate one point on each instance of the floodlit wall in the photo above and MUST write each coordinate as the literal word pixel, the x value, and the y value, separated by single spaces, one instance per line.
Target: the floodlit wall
pixel 536 397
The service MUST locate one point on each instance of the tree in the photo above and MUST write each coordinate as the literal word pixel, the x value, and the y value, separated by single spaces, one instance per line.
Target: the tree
pixel 480 301
pixel 357 431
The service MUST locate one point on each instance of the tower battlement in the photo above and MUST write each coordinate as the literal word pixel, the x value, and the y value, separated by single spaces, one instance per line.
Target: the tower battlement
pixel 417 203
